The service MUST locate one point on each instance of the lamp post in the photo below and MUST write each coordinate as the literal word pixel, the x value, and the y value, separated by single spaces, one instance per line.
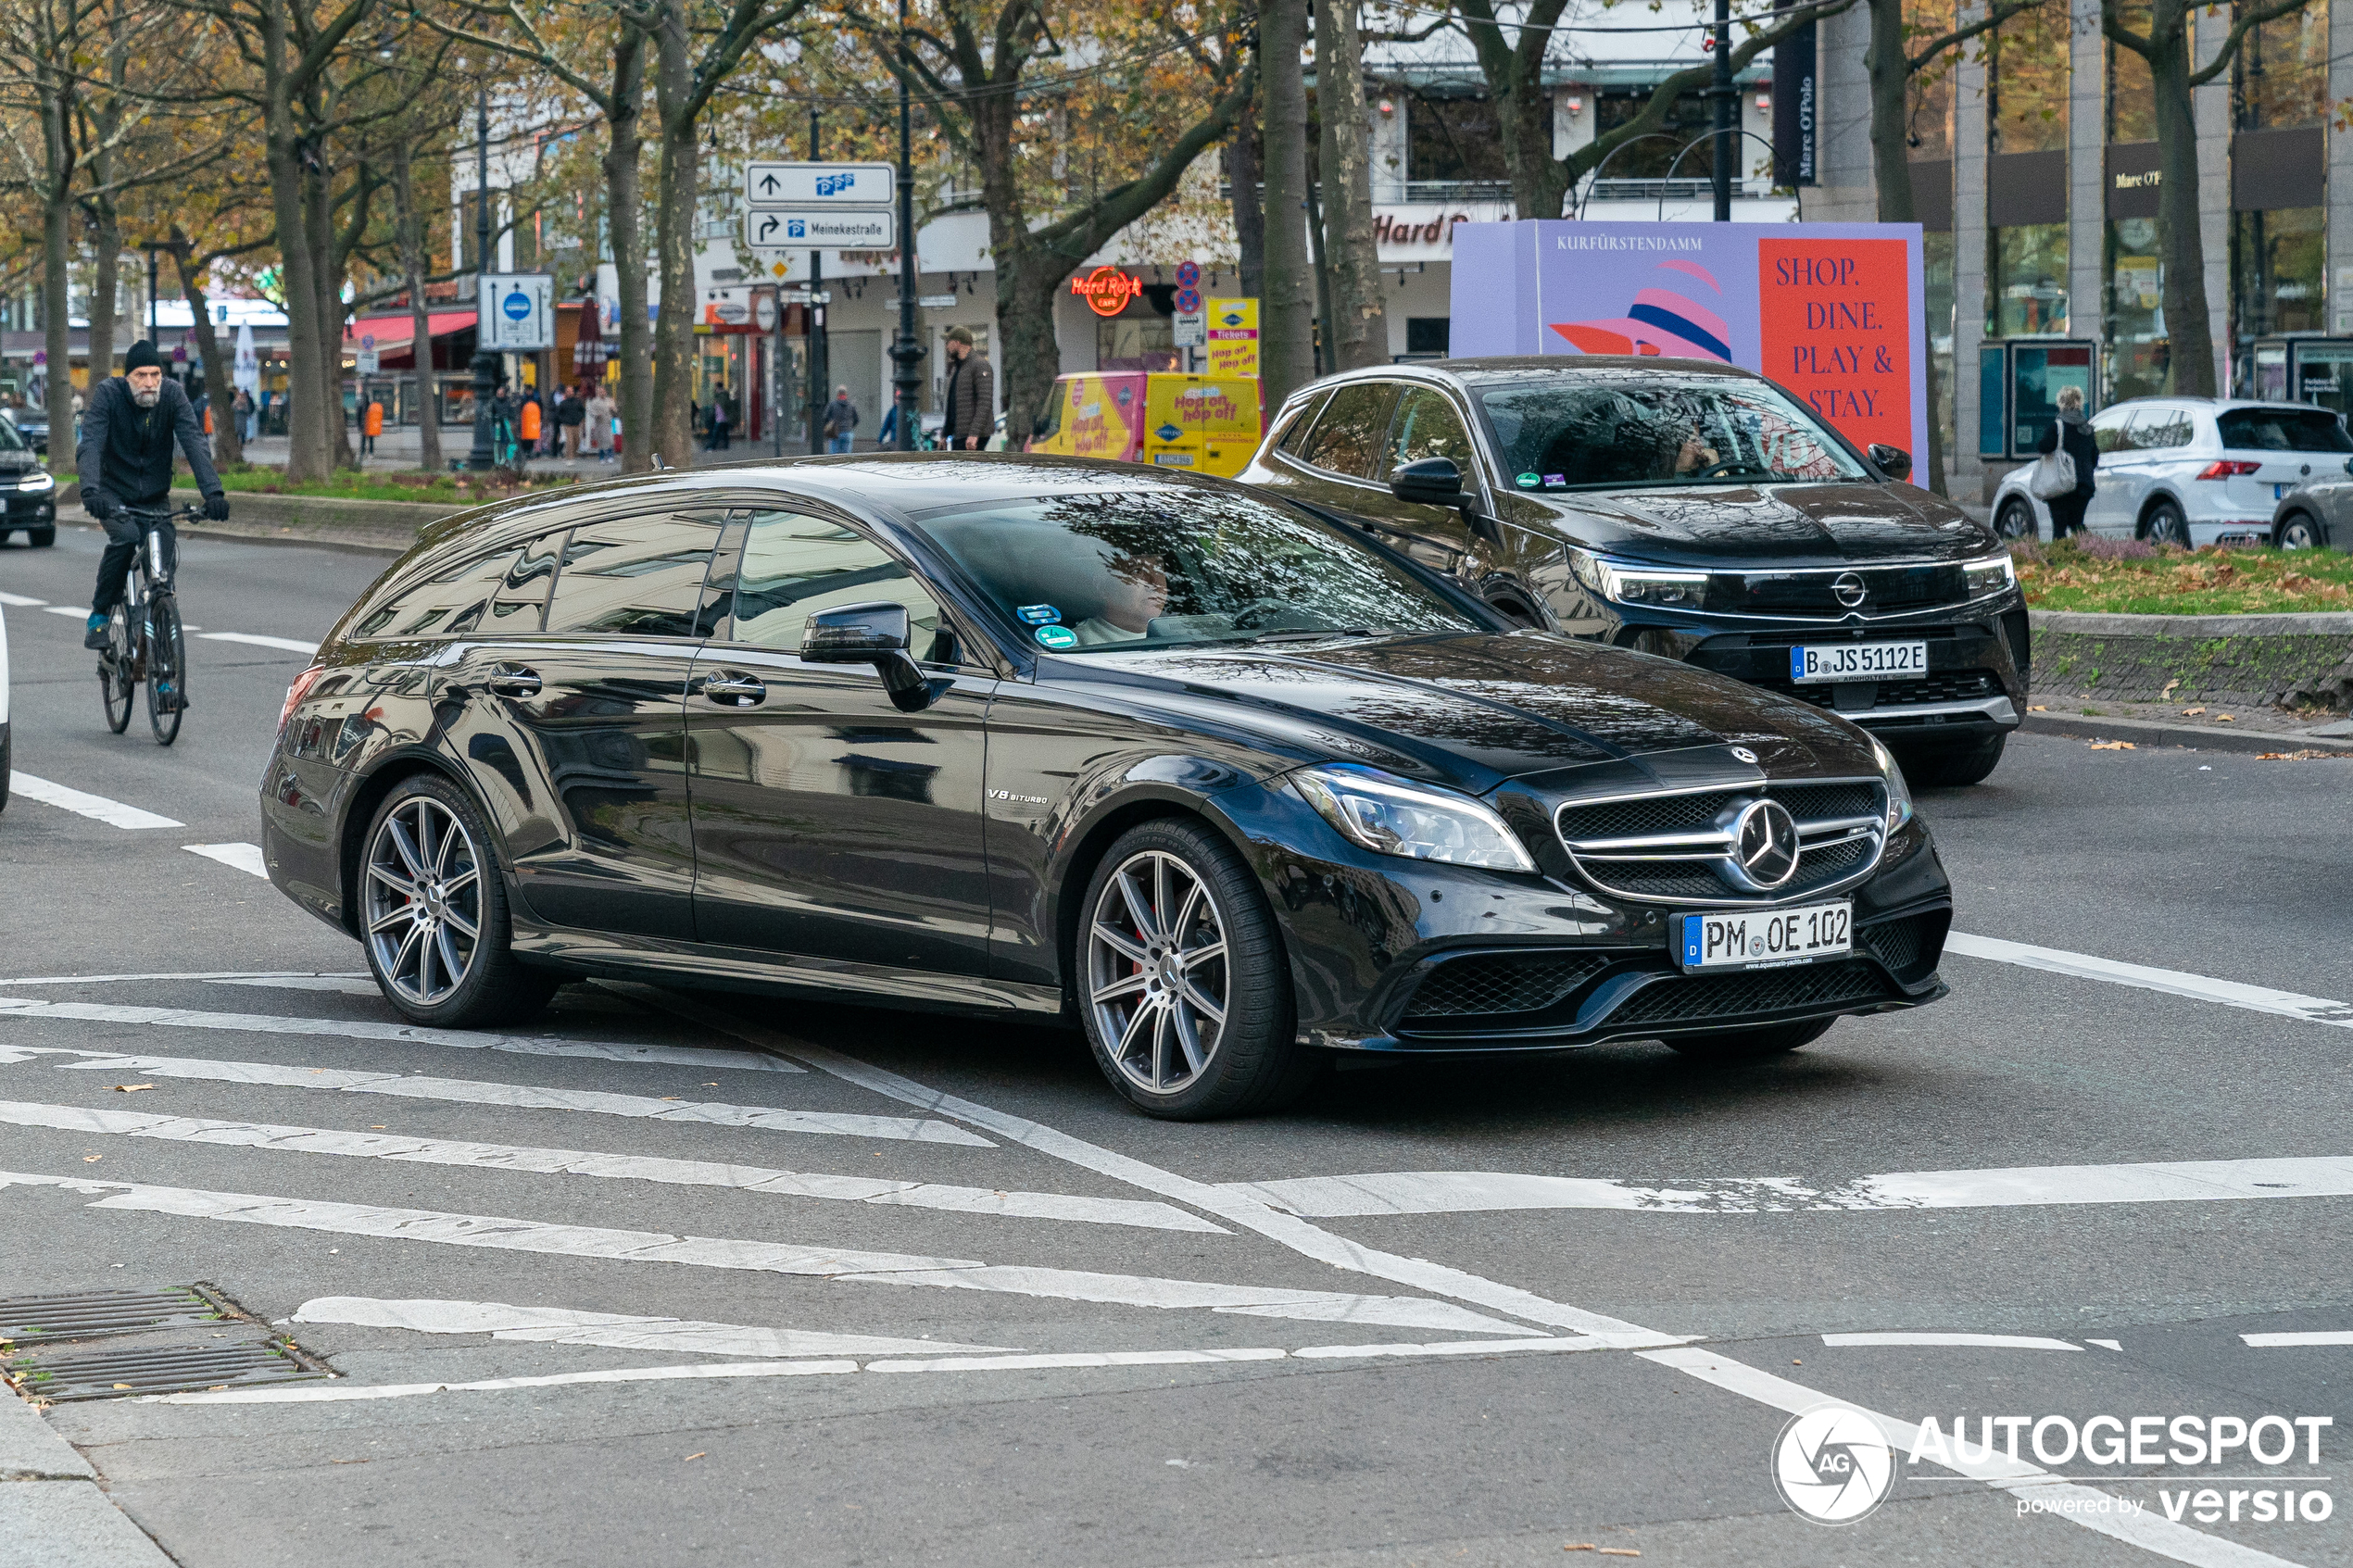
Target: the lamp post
pixel 906 353
pixel 1724 92
pixel 819 371
pixel 486 367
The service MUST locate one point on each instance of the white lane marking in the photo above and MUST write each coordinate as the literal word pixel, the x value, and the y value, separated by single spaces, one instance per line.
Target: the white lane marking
pixel 245 857
pixel 1248 1213
pixel 2095 1510
pixel 2172 982
pixel 1465 1192
pixel 20 602
pixel 622 1167
pixel 407 1033
pixel 328 1393
pixel 2314 1337
pixel 2106 1343
pixel 1985 1341
pixel 78 613
pixel 228 977
pixel 114 813
pixel 564 1325
pixel 526 1097
pixel 288 645
pixel 768 1257
pixel 342 985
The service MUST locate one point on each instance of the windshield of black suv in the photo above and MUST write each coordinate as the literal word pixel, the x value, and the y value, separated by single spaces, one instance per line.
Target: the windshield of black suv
pixel 2283 430
pixel 1575 432
pixel 11 439
pixel 1103 571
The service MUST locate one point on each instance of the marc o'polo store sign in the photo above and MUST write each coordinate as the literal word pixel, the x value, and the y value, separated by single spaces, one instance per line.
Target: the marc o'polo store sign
pixel 1831 312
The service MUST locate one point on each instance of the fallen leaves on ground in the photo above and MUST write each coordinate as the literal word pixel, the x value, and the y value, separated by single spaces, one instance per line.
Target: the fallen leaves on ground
pixel 2091 575
pixel 2192 712
pixel 691 1457
pixel 2113 746
pixel 131 1088
pixel 2308 754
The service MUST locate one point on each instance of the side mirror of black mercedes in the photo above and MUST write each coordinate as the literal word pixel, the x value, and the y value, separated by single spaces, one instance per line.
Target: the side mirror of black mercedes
pixel 870 634
pixel 1430 481
pixel 1893 461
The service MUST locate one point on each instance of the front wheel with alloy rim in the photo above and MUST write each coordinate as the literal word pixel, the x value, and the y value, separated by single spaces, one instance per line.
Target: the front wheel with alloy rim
pixel 2166 525
pixel 2297 530
pixel 2016 519
pixel 1181 981
pixel 433 913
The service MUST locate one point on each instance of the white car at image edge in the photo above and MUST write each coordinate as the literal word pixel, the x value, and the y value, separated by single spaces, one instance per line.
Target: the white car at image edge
pixel 2190 471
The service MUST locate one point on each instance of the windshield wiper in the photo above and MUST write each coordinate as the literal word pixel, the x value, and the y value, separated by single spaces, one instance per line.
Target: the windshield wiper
pixel 1300 636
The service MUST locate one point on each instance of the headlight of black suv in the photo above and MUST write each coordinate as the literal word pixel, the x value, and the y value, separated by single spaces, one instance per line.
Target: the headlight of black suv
pixel 1390 815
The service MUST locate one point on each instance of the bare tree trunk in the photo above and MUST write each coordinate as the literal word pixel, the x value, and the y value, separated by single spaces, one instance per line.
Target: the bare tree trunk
pixel 625 201
pixel 56 225
pixel 335 426
pixel 105 282
pixel 1890 72
pixel 2189 329
pixel 1359 314
pixel 672 427
pixel 1249 217
pixel 1287 315
pixel 411 226
pixel 228 440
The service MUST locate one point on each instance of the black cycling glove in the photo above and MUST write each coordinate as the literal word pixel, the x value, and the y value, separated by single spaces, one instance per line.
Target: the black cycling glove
pixel 216 507
pixel 98 504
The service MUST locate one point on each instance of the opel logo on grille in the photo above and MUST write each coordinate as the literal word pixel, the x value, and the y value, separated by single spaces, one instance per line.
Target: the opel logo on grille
pixel 1850 589
pixel 1765 843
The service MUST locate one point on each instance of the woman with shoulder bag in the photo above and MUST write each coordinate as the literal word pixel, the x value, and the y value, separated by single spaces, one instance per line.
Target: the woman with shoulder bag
pixel 2063 478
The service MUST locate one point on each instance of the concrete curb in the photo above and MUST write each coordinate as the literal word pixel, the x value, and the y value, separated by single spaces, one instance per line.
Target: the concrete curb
pixel 2091 623
pixel 2197 737
pixel 30 1451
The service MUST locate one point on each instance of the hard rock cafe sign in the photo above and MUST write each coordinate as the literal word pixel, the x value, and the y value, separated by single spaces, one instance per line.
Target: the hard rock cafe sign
pixel 1107 290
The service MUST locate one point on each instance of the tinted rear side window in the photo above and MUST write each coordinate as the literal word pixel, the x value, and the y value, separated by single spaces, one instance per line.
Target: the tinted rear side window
pixel 1348 437
pixel 640 576
pixel 453 599
pixel 1294 439
pixel 2157 429
pixel 2283 430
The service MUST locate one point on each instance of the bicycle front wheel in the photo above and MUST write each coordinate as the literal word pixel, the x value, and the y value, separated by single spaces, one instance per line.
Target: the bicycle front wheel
pixel 166 669
pixel 114 671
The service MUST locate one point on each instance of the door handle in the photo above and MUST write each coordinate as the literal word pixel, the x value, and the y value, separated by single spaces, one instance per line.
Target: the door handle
pixel 514 683
pixel 735 691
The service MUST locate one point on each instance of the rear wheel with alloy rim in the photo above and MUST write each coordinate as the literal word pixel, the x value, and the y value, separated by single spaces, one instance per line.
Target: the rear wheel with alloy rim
pixel 1751 1045
pixel 2297 530
pixel 1182 984
pixel 2167 526
pixel 2017 520
pixel 433 913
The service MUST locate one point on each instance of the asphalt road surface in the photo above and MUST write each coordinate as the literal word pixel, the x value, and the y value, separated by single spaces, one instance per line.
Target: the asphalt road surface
pixel 889 1288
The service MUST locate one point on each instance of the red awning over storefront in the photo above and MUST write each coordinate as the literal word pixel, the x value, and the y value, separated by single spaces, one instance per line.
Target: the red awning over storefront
pixel 391 332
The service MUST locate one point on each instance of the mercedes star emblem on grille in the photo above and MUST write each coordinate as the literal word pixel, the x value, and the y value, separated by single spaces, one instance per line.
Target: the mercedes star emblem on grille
pixel 1765 843
pixel 1745 755
pixel 1849 589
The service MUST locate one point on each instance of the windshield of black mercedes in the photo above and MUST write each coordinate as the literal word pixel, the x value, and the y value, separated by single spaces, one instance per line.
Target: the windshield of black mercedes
pixel 1106 570
pixel 1571 433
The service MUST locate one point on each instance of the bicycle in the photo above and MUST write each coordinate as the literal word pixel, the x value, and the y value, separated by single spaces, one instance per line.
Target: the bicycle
pixel 143 639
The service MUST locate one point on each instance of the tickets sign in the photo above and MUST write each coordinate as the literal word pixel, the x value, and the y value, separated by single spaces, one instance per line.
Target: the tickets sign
pixel 1832 312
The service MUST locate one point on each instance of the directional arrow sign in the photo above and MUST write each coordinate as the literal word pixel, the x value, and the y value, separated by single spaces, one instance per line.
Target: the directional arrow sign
pixel 797 228
pixel 819 184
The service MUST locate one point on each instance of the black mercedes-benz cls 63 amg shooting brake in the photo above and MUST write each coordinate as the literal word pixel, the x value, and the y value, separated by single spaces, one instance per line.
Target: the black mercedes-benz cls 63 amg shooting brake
pixel 1687 509
pixel 1233 787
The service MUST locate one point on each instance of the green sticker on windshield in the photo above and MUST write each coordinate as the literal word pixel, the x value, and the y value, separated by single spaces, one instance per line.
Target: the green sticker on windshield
pixel 1528 482
pixel 1056 637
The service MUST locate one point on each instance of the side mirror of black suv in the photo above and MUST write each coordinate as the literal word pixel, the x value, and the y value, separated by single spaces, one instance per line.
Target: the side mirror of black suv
pixel 1430 482
pixel 1893 461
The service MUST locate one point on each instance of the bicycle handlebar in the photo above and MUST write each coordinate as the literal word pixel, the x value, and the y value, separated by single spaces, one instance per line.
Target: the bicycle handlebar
pixel 161 514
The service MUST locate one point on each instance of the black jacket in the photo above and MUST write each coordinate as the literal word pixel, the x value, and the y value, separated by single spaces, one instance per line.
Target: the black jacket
pixel 125 452
pixel 2079 446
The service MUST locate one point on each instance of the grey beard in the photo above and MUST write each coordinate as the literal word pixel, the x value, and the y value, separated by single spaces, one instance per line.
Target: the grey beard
pixel 148 399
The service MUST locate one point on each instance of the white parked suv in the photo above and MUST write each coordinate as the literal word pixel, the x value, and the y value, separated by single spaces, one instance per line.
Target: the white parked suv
pixel 2189 470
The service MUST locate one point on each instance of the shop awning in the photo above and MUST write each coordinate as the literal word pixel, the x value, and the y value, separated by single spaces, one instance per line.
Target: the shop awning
pixel 392 332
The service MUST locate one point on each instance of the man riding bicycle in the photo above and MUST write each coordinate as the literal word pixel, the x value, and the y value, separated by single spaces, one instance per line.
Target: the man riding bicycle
pixel 124 458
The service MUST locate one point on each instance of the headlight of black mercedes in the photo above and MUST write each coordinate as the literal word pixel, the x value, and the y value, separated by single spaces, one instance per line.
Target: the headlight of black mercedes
pixel 1392 816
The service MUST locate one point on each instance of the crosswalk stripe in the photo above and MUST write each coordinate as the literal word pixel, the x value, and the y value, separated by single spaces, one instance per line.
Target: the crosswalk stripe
pixel 840 1264
pixel 1953 1341
pixel 245 858
pixel 624 1167
pixel 285 644
pixel 564 1325
pixel 97 807
pixel 527 1096
pixel 2311 1337
pixel 404 1033
pixel 1466 1192
pixel 73 610
pixel 2172 982
pixel 20 602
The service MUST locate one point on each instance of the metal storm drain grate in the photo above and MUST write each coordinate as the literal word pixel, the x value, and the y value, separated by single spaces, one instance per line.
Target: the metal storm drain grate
pixel 158 1369
pixel 41 1319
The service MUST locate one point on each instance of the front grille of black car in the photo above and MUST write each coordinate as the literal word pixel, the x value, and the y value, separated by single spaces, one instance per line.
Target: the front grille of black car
pixel 1629 848
pixel 1950 685
pixel 1708 998
pixel 1497 983
pixel 1814 591
pixel 1908 946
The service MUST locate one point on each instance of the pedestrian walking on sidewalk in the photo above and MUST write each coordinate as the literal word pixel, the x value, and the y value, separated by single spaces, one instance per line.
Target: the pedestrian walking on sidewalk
pixel 719 419
pixel 371 425
pixel 2072 435
pixel 971 398
pixel 841 420
pixel 600 423
pixel 571 414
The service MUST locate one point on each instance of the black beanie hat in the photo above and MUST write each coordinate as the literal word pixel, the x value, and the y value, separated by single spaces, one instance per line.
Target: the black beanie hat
pixel 143 354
